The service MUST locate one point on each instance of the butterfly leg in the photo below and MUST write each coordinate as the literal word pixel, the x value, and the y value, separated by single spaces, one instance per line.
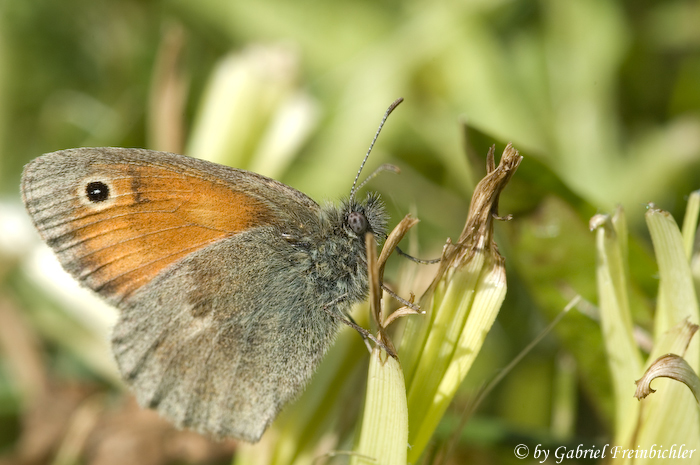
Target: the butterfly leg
pixel 417 260
pixel 350 322
pixel 365 339
pixel 403 301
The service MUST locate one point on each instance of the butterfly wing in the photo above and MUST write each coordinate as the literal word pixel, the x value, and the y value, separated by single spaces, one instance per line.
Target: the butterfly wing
pixel 217 327
pixel 157 208
pixel 214 346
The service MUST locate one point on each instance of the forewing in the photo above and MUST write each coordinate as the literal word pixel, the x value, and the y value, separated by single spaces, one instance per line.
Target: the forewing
pixel 159 208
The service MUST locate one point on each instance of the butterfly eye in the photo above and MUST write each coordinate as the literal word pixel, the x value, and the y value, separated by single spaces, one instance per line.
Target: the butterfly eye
pixel 97 191
pixel 357 222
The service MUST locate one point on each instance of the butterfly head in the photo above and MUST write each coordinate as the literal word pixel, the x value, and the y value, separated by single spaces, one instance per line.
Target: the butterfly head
pixel 369 216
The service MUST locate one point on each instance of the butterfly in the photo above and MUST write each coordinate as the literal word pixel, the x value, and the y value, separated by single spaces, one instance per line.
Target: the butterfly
pixel 230 286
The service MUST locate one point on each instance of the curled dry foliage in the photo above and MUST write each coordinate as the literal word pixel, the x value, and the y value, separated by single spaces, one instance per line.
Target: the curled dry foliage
pixel 668 366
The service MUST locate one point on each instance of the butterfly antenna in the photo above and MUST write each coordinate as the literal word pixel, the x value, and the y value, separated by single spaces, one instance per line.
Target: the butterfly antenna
pixel 386 115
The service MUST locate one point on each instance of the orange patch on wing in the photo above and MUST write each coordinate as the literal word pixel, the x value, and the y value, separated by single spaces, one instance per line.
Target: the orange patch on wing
pixel 153 218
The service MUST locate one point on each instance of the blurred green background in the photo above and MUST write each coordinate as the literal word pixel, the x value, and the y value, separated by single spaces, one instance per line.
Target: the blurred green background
pixel 602 98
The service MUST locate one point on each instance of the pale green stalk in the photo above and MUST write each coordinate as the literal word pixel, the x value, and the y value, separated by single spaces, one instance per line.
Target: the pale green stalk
pixel 624 359
pixel 690 222
pixel 384 430
pixel 677 299
pixel 671 416
pixel 455 354
pixel 451 314
pixel 461 304
pixel 383 436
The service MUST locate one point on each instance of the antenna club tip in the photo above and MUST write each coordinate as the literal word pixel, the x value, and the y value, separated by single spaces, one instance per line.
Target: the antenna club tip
pixel 395 104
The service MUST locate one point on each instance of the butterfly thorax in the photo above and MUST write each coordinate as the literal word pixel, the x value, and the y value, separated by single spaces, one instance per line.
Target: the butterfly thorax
pixel 337 260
